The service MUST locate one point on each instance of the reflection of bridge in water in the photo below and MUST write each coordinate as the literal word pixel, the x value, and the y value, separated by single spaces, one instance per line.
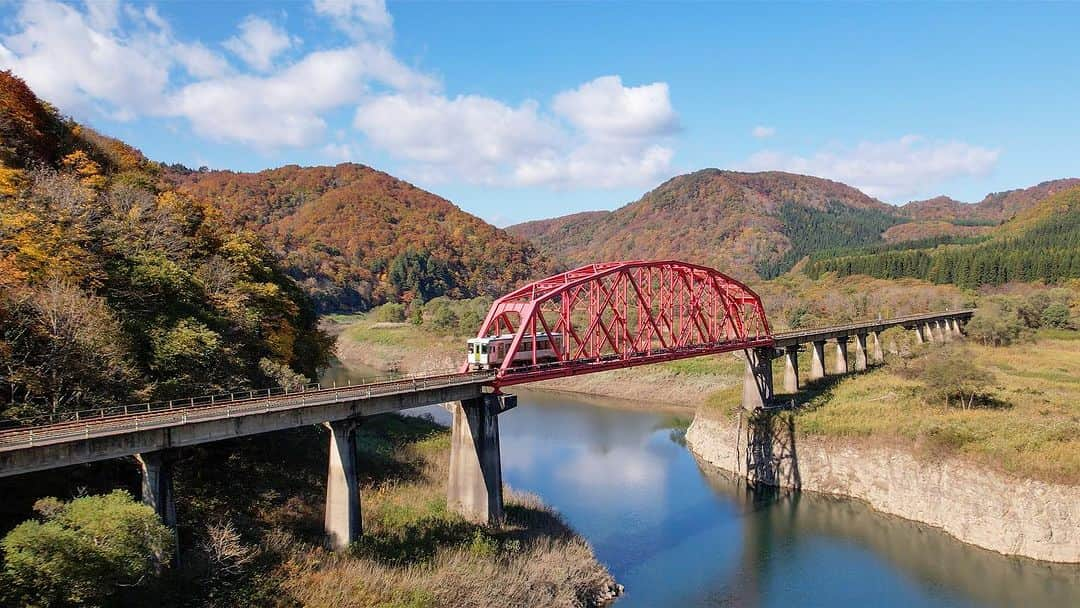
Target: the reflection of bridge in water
pixel 607 316
pixel 773 518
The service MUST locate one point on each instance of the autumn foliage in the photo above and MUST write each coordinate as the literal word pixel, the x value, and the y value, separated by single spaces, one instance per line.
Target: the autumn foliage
pixel 355 237
pixel 116 287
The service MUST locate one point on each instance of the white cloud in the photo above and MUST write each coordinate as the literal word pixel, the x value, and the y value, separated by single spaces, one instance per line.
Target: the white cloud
pixel 614 140
pixel 358 18
pixel 467 133
pixel 285 108
pixel 339 152
pixel 761 131
pixel 123 61
pixel 886 169
pixel 72 60
pixel 604 108
pixel 259 42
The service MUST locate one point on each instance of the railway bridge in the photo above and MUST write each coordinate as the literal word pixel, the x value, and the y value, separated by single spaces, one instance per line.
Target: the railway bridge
pixel 594 318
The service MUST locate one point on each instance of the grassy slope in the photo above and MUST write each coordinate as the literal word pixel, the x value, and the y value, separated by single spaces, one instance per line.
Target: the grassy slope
pixel 414 552
pixel 1035 434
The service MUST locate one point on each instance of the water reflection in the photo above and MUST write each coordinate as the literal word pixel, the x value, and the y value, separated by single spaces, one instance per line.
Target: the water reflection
pixel 677 533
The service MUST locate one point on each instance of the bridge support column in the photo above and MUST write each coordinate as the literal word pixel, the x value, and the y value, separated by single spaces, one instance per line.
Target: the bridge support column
pixel 791 369
pixel 876 353
pixel 817 360
pixel 956 328
pixel 929 331
pixel 157 486
pixel 939 334
pixel 919 338
pixel 841 355
pixel 475 488
pixel 157 489
pixel 342 515
pixel 757 381
pixel 860 352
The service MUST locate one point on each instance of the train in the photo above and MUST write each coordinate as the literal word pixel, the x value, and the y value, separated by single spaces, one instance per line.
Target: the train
pixel 489 353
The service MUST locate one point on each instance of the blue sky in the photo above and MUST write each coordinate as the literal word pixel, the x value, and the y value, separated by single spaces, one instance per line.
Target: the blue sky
pixel 526 110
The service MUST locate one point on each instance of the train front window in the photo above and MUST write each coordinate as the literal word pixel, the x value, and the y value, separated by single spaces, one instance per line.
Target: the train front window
pixel 483 349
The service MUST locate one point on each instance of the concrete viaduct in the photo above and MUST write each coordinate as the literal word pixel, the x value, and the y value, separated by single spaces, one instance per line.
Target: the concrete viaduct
pixel 637 313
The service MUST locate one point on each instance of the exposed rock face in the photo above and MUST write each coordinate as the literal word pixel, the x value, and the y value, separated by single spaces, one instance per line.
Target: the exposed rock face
pixel 1009 515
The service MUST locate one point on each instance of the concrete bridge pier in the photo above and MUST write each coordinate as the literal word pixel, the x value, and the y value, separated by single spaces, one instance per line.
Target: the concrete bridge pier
pixel 919 338
pixel 939 333
pixel 875 348
pixel 157 484
pixel 860 353
pixel 929 331
pixel 791 369
pixel 956 328
pixel 342 515
pixel 757 381
pixel 817 360
pixel 157 488
pixel 475 488
pixel 841 355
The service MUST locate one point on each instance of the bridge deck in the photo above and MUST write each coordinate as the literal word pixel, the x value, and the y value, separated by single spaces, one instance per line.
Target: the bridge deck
pixel 70 442
pixel 114 432
pixel 792 338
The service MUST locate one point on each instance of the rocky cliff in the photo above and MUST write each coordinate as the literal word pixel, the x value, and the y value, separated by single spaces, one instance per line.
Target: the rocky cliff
pixel 985 508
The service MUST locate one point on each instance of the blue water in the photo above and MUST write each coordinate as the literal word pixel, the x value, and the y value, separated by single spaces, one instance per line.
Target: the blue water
pixel 676 533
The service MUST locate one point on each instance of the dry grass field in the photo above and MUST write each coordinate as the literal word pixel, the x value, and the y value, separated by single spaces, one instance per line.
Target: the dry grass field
pixel 1029 425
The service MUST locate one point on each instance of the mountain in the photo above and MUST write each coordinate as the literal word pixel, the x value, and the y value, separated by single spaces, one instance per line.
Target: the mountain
pixel 994 209
pixel 1040 242
pixel 749 224
pixel 355 237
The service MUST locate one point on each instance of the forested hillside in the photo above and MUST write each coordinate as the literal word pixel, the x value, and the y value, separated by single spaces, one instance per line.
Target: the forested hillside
pixel 114 287
pixel 995 208
pixel 1041 243
pixel 355 237
pixel 745 223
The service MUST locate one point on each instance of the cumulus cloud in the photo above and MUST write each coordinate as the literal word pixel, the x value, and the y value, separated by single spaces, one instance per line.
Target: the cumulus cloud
pixel 123 61
pixel 285 108
pixel 887 169
pixel 465 134
pixel 259 42
pixel 77 61
pixel 762 131
pixel 604 108
pixel 358 18
pixel 601 134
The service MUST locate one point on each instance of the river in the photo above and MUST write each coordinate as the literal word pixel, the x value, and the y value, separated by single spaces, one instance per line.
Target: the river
pixel 677 533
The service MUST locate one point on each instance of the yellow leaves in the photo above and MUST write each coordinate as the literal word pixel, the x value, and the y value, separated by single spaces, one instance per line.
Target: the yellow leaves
pixel 33 248
pixel 88 171
pixel 12 181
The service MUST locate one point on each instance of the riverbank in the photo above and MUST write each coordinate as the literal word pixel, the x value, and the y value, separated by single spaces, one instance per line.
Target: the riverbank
pixel 414 552
pixel 992 510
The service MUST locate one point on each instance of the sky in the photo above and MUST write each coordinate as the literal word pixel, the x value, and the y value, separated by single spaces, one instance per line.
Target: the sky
pixel 525 110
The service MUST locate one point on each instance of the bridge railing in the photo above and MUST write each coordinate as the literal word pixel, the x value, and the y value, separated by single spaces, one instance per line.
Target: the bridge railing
pixel 205 401
pixel 892 321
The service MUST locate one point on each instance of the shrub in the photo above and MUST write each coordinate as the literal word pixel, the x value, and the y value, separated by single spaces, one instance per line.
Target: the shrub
pixel 389 313
pixel 83 551
pixel 1055 315
pixel 949 376
pixel 997 322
